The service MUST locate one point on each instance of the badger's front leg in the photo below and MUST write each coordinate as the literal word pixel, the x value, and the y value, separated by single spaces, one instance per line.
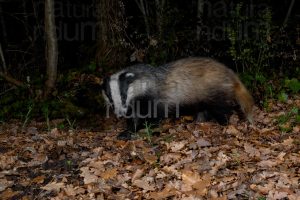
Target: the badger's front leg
pixel 133 125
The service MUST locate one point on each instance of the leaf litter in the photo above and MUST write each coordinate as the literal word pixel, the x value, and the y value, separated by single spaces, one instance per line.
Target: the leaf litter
pixel 188 160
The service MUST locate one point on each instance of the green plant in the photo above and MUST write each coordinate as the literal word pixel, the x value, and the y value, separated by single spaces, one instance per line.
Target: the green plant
pixel 149 132
pixel 292 85
pixel 28 115
pixel 61 126
pixel 288 121
pixel 69 164
pixel 70 123
pixel 261 198
pixel 282 96
pixel 251 47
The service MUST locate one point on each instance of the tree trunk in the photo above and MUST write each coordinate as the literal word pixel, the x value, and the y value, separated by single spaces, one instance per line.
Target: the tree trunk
pixel 199 18
pixel 111 27
pixel 160 6
pixel 51 47
pixel 2 61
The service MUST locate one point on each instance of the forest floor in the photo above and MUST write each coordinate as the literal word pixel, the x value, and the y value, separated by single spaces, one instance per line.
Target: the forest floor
pixel 188 160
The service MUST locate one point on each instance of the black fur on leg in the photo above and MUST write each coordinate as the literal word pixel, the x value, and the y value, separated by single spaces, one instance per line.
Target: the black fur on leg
pixel 125 135
pixel 133 125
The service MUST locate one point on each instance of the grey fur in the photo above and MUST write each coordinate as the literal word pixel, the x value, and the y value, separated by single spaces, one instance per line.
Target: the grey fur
pixel 184 82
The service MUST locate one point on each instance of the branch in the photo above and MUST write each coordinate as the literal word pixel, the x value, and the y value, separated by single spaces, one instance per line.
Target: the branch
pixel 2 60
pixel 11 80
pixel 288 13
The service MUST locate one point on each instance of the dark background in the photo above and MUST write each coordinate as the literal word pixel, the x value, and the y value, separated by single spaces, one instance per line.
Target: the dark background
pixel 251 37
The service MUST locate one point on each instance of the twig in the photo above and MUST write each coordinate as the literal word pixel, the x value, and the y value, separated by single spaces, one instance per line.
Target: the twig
pixel 12 80
pixel 2 59
pixel 6 91
pixel 288 13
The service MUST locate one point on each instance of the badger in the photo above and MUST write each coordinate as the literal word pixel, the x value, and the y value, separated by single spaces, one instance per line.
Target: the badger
pixel 191 86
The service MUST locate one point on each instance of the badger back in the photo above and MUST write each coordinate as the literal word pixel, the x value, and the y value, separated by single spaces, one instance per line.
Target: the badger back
pixel 204 80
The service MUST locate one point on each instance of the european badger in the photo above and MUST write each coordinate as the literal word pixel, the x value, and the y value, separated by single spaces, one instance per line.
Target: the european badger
pixel 200 86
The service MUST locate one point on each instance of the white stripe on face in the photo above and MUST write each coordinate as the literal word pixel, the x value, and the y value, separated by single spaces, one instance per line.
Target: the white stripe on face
pixel 116 95
pixel 107 101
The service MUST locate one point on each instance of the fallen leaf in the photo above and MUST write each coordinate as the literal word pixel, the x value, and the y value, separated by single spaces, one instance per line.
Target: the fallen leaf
pixel 39 179
pixel 53 186
pixel 8 194
pixel 253 152
pixel 70 190
pixel 177 146
pixel 267 163
pixel 109 174
pixel 146 183
pixel 5 184
pixel 277 195
pixel 88 177
pixel 203 143
pixel 150 158
pixel 164 194
pixel 288 142
pixel 232 130
pixel 137 174
pixel 201 186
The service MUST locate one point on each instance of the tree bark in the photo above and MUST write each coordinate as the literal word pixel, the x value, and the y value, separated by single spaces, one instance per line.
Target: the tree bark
pixel 2 61
pixel 160 7
pixel 111 26
pixel 199 18
pixel 51 47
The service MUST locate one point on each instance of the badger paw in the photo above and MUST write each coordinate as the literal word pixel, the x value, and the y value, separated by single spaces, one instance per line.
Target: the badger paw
pixel 125 135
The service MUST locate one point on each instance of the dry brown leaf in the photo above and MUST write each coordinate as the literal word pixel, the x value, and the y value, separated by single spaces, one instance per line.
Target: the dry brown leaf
pixel 190 177
pixel 201 186
pixel 172 170
pixel 5 184
pixel 150 158
pixel 193 183
pixel 38 160
pixel 6 161
pixel 55 133
pixel 267 163
pixel 88 177
pixel 146 183
pixel 170 157
pixel 263 189
pixel 8 194
pixel 288 142
pixel 203 143
pixel 253 152
pixel 70 190
pixel 53 186
pixel 177 146
pixel 109 174
pixel 273 194
pixel 39 179
pixel 164 194
pixel 232 130
pixel 281 155
pixel 137 174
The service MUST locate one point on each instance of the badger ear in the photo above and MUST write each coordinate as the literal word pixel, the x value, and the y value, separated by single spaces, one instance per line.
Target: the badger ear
pixel 129 75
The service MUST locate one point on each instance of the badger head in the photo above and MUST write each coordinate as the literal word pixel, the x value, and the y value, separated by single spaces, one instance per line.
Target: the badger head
pixel 120 90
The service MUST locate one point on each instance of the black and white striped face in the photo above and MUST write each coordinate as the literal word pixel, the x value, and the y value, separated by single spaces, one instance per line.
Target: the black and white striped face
pixel 118 91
